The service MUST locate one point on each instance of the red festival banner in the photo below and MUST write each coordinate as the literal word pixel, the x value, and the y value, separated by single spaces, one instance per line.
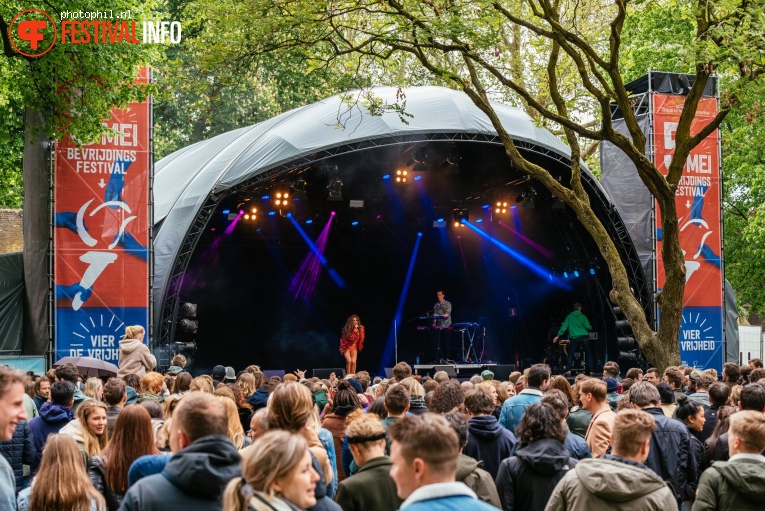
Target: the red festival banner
pixel 102 235
pixel 698 210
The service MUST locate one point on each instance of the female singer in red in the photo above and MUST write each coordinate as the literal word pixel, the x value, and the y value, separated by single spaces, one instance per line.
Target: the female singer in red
pixel 351 342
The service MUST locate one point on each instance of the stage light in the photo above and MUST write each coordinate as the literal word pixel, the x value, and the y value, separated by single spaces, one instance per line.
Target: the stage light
pixel 266 197
pixel 332 213
pixel 419 235
pixel 626 342
pixel 398 179
pixel 278 195
pixel 565 274
pixel 417 178
pixel 576 274
pixel 501 207
pixel 479 220
pixel 188 309
pixel 486 206
pixel 298 190
pixel 440 220
pixel 271 213
pixel 335 184
pixel 461 215
pixel 246 217
pixel 404 173
pixel 355 222
pixel 185 346
pixel 398 172
pixel 288 215
pixel 226 211
pixel 254 210
pixel 386 176
pixel 418 160
pixel 622 324
pixel 513 207
pixel 627 356
pixel 309 221
pixel 278 202
pixel 592 271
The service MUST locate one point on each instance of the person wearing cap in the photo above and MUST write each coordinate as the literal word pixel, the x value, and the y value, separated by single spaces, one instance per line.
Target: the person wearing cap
pixel 668 404
pixel 487 375
pixel 612 396
pixel 578 327
pixel 230 375
pixel 218 375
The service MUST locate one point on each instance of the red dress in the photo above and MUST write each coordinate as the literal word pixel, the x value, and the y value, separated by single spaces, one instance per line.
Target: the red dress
pixel 352 339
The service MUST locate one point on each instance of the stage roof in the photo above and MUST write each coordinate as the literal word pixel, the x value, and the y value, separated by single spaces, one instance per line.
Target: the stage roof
pixel 186 179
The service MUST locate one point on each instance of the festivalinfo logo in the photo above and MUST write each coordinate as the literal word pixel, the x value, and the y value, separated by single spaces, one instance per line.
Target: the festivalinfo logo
pixel 33 32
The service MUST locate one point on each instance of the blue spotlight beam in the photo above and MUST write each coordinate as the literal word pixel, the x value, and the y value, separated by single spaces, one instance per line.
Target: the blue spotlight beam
pixel 323 260
pixel 537 269
pixel 390 345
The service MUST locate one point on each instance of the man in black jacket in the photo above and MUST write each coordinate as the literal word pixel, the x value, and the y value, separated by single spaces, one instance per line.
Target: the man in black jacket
pixel 203 463
pixel 752 398
pixel 670 452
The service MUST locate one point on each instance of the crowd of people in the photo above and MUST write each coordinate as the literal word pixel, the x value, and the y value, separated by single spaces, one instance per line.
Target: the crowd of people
pixel 680 439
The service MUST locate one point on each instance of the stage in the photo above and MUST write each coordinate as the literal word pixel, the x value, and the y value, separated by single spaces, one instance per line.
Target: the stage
pixel 277 259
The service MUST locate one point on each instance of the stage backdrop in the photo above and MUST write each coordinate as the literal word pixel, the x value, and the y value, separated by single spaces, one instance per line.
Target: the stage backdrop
pixel 698 209
pixel 102 234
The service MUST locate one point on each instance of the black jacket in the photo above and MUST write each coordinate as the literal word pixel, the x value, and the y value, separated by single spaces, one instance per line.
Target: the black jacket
pixel 697 454
pixel 97 475
pixel 323 503
pixel 489 442
pixel 670 453
pixel 526 480
pixel 710 414
pixel 258 399
pixel 193 479
pixel 19 450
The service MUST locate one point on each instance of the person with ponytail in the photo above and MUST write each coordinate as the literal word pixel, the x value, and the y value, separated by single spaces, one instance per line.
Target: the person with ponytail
pixel 343 403
pixel 371 488
pixel 61 483
pixel 135 357
pixel 277 475
pixel 691 413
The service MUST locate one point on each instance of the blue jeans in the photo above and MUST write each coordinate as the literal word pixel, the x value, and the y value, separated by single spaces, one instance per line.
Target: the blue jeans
pixel 574 346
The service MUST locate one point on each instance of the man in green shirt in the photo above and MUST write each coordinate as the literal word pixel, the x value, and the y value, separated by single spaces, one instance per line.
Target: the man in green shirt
pixel 578 327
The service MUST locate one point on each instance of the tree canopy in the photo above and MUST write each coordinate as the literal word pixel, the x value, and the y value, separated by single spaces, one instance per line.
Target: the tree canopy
pixel 565 62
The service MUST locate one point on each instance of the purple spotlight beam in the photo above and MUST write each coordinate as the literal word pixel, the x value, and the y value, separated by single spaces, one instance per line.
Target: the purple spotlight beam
pixel 304 282
pixel 536 246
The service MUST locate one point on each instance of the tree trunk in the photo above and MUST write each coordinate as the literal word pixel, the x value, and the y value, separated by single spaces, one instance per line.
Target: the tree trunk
pixel 36 177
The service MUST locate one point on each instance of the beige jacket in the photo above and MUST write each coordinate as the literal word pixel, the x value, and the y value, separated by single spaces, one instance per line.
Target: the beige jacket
pixel 598 435
pixel 135 358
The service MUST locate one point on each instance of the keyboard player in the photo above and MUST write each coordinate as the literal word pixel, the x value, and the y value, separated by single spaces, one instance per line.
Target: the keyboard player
pixel 442 311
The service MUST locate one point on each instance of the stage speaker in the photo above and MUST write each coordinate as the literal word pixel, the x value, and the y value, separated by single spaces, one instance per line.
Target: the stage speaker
pixel 389 372
pixel 501 372
pixel 450 371
pixel 323 374
pixel 274 372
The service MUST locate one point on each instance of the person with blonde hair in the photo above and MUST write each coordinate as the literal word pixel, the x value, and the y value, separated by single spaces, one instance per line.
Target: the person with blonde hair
pixel 246 382
pixel 133 438
pixel 135 357
pixel 202 383
pixel 290 409
pixel 94 388
pixel 89 429
pixel 61 482
pixel 371 488
pixel 277 475
pixel 416 396
pixel 235 430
